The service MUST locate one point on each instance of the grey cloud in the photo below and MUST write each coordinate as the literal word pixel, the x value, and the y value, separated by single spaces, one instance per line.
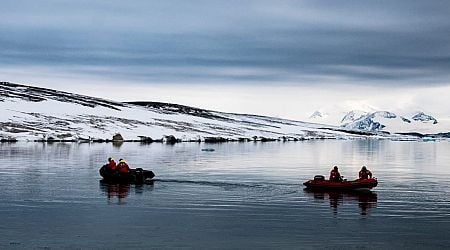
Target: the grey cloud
pixel 373 42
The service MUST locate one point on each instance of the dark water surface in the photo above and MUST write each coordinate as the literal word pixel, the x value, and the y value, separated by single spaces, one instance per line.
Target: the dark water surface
pixel 241 196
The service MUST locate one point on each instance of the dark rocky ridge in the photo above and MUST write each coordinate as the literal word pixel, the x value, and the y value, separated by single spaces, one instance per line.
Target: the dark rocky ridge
pixel 38 94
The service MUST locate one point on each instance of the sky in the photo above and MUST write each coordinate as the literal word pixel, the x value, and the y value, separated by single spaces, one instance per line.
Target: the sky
pixel 278 58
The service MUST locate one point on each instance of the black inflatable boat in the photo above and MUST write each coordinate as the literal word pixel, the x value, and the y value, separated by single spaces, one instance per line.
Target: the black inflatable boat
pixel 137 175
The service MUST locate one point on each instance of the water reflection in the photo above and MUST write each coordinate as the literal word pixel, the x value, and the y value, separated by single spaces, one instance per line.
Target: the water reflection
pixel 117 193
pixel 365 200
pixel 117 144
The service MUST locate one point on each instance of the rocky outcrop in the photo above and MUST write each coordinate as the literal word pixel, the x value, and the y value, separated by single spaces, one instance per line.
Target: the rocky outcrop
pixel 145 139
pixel 117 137
pixel 170 139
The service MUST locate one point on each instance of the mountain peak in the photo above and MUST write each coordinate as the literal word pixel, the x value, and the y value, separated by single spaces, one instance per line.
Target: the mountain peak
pixel 384 114
pixel 421 116
pixel 317 114
pixel 353 115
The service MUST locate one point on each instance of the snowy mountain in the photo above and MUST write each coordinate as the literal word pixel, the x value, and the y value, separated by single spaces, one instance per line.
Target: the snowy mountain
pixel 317 115
pixel 33 113
pixel 338 114
pixel 353 116
pixel 371 122
pixel 420 116
pixel 393 123
pixel 367 118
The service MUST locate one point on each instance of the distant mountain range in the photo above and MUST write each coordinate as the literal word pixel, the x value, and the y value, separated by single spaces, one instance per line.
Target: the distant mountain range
pixel 382 121
pixel 41 114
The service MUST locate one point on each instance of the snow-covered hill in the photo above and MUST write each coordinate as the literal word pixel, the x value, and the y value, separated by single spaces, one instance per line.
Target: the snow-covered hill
pixel 32 113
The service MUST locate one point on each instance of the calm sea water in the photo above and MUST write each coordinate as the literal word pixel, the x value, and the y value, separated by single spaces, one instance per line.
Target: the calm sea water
pixel 241 196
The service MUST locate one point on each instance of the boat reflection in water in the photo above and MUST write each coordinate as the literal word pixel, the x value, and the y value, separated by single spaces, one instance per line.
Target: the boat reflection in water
pixel 118 192
pixel 366 200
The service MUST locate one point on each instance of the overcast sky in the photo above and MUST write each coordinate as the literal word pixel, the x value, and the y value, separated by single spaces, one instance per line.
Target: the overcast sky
pixel 282 58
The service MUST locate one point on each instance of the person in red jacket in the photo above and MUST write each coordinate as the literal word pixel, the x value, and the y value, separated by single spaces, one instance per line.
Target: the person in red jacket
pixel 335 175
pixel 111 164
pixel 123 167
pixel 365 173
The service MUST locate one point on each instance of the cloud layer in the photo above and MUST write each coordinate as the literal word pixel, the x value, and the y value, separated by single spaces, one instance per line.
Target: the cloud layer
pixel 385 43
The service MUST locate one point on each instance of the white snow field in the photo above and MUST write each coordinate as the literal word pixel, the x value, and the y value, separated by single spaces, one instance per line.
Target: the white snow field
pixel 33 113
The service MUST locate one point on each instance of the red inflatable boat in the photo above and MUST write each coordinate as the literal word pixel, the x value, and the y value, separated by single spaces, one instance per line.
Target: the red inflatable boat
pixel 319 182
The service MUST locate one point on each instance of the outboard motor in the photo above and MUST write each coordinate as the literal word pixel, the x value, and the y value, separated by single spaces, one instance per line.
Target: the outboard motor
pixel 139 175
pixel 148 174
pixel 319 178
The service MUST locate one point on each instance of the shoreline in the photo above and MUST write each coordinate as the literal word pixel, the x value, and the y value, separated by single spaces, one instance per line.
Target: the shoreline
pixel 223 140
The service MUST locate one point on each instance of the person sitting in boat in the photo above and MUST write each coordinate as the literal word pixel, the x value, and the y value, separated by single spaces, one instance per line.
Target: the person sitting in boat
pixel 335 175
pixel 123 167
pixel 111 166
pixel 365 173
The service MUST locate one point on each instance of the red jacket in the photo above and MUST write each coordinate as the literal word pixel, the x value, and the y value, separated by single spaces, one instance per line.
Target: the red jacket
pixel 123 168
pixel 112 165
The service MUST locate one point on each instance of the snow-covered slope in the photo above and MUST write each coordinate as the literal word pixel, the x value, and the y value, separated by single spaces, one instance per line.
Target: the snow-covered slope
pixel 32 113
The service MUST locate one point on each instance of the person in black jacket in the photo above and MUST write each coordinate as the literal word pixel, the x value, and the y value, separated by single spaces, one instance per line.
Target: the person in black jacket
pixel 335 175
pixel 364 173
